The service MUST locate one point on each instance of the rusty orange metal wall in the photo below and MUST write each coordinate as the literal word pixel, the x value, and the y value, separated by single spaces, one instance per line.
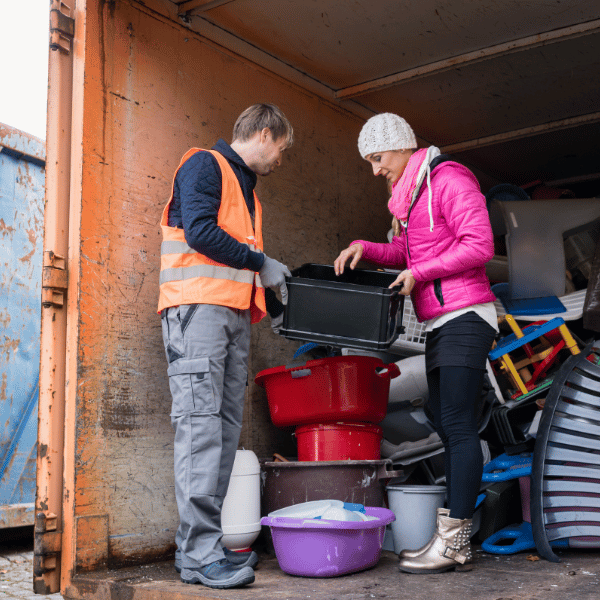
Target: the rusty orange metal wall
pixel 153 89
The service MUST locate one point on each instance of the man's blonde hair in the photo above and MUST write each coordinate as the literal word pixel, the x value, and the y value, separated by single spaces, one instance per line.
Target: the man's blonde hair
pixel 257 117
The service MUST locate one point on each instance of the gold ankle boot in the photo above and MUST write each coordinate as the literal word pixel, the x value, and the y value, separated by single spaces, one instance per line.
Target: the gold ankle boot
pixel 415 553
pixel 450 547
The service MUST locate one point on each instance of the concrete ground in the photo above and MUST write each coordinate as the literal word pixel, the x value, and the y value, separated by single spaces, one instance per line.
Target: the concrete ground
pixel 519 577
pixel 522 576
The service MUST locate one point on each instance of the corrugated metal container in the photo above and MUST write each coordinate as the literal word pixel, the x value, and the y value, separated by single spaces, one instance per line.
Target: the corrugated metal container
pixel 22 180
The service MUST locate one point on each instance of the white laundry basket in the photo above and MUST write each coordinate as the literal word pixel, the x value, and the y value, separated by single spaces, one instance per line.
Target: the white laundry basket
pixel 412 341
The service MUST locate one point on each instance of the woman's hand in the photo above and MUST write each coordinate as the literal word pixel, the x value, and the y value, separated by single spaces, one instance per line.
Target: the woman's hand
pixel 406 280
pixel 354 251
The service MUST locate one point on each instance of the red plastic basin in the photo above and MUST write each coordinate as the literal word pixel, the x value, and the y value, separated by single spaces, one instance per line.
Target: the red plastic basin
pixel 339 441
pixel 326 390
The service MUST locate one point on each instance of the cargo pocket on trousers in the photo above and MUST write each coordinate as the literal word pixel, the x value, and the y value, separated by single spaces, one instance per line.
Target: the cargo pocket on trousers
pixel 191 386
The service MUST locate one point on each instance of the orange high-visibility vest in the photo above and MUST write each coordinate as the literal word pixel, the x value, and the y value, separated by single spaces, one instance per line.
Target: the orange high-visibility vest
pixel 188 277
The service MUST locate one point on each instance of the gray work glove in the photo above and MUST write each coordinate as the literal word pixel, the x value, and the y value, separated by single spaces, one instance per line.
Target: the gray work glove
pixel 276 323
pixel 272 275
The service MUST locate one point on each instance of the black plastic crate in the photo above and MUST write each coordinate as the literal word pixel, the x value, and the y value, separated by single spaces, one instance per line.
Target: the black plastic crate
pixel 354 310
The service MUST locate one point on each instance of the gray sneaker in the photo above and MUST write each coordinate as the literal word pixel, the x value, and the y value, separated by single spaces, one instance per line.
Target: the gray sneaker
pixel 240 559
pixel 220 574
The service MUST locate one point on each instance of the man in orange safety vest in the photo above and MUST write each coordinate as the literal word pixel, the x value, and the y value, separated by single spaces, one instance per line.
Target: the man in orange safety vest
pixel 215 280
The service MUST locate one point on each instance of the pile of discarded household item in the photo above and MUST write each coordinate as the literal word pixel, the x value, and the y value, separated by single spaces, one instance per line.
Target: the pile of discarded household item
pixel 369 464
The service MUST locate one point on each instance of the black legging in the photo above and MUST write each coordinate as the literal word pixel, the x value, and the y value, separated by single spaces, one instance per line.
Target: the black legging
pixel 454 396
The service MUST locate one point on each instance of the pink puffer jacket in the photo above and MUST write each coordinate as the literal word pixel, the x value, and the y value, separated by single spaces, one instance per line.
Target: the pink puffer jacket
pixel 447 263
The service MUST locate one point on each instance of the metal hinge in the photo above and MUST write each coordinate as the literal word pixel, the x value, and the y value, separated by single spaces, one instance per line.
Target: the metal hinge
pixel 54 280
pixel 62 27
pixel 46 544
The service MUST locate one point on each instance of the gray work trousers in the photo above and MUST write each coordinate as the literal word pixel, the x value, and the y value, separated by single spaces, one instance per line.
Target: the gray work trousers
pixel 207 348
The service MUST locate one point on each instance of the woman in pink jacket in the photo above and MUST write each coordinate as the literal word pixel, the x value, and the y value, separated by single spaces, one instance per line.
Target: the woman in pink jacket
pixel 444 242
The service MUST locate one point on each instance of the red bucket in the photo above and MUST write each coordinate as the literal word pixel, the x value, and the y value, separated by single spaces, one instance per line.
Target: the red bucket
pixel 353 389
pixel 339 441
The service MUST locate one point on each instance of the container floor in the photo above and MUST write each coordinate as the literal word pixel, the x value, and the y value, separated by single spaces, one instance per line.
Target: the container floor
pixel 522 576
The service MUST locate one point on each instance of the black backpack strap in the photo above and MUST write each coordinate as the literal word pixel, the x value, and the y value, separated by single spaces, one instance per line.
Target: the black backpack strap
pixel 439 159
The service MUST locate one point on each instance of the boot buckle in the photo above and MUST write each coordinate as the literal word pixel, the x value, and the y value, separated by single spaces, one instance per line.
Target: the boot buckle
pixel 454 554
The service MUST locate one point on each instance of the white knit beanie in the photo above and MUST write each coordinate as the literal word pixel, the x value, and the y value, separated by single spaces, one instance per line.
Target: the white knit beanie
pixel 385 131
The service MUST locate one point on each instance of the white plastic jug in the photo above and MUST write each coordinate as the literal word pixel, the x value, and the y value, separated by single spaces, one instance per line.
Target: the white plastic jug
pixel 240 517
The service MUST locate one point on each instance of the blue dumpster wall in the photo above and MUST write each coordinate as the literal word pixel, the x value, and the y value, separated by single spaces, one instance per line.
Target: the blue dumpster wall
pixel 22 183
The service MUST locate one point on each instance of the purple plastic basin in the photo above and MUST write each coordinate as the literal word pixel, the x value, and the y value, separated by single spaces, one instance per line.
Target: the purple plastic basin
pixel 323 548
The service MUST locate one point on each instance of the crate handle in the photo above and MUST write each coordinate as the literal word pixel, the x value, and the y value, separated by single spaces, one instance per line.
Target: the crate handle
pixel 396 289
pixel 392 370
pixel 300 373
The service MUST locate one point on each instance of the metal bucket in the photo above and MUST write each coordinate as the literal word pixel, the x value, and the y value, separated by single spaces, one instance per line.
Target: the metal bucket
pixel 358 481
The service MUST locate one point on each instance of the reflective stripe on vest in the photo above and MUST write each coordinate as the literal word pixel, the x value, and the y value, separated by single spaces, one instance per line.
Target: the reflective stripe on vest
pixel 174 247
pixel 188 277
pixel 212 271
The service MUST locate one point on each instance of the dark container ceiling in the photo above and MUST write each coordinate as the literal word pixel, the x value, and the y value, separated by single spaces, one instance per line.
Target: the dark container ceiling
pixel 510 88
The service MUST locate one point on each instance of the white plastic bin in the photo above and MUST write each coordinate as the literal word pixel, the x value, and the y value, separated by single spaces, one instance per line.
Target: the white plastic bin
pixel 415 507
